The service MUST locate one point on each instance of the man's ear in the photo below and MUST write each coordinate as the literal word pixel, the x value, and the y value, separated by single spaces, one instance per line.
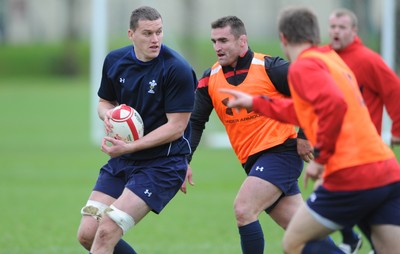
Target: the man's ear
pixel 243 39
pixel 130 34
pixel 283 39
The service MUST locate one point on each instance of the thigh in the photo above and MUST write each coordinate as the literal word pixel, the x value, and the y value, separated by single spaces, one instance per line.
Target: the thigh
pixel 285 209
pixel 157 181
pixel 388 211
pixel 280 169
pixel 112 178
pixel 302 228
pixel 102 198
pixel 133 205
pixel 386 238
pixel 256 194
pixel 275 176
pixel 346 208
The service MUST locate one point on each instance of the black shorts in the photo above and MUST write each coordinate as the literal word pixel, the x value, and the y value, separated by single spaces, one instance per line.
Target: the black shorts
pixel 337 209
pixel 155 181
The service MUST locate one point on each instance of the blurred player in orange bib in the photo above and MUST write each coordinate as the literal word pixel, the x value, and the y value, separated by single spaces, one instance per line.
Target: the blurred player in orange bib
pixel 361 176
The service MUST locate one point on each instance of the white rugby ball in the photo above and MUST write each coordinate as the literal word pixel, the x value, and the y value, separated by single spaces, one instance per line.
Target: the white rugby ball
pixel 127 124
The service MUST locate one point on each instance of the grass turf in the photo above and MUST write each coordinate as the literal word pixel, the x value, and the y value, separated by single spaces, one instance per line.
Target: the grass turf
pixel 49 166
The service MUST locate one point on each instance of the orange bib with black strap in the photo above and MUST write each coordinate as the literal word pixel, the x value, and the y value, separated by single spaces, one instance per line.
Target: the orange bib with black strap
pixel 358 142
pixel 248 132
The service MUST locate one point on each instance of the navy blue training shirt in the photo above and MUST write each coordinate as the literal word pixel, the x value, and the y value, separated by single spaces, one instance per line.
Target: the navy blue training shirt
pixel 163 85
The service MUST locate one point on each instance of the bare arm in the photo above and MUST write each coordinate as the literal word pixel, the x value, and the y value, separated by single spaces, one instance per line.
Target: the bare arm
pixel 104 109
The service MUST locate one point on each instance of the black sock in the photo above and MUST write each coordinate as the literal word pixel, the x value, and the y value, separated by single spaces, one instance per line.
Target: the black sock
pixel 252 238
pixel 123 247
pixel 349 236
pixel 366 229
pixel 322 246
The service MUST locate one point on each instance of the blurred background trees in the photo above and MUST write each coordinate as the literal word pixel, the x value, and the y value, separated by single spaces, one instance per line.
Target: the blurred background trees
pixel 51 37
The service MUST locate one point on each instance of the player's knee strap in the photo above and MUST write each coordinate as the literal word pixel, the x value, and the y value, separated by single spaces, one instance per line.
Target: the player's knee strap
pixel 121 218
pixel 94 209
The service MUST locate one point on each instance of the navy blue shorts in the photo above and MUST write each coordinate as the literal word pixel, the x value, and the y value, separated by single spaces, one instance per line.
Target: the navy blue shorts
pixel 156 181
pixel 281 169
pixel 338 209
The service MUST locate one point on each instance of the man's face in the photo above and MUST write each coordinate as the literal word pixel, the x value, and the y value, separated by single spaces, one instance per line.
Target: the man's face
pixel 226 46
pixel 147 39
pixel 341 32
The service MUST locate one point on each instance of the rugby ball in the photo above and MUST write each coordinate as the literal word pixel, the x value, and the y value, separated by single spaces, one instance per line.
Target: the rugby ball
pixel 127 124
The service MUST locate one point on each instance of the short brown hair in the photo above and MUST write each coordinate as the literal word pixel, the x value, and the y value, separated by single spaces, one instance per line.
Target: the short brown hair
pixel 298 25
pixel 346 12
pixel 143 13
pixel 236 25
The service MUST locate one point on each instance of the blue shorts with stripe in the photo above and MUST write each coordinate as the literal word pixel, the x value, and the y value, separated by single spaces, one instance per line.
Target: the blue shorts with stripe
pixel 337 209
pixel 156 181
pixel 282 169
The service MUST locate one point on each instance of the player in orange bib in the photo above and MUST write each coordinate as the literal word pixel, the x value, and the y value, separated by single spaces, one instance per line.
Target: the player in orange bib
pixel 361 176
pixel 379 86
pixel 267 149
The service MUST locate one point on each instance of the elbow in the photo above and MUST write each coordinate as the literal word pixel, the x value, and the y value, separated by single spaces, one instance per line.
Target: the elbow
pixel 178 130
pixel 177 124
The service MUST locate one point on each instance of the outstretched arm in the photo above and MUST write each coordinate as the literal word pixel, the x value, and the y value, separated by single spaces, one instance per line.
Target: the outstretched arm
pixel 281 109
pixel 240 99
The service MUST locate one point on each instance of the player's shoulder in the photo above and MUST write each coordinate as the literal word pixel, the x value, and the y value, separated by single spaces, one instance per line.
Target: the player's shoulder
pixel 117 54
pixel 371 54
pixel 203 81
pixel 270 61
pixel 206 73
pixel 175 65
pixel 306 65
pixel 357 50
pixel 173 58
pixel 275 62
pixel 276 67
pixel 120 52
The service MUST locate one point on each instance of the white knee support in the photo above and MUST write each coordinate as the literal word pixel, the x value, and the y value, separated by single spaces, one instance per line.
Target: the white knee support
pixel 94 209
pixel 121 218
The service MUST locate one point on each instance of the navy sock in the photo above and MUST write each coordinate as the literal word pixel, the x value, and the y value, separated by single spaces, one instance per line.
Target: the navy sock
pixel 349 236
pixel 325 246
pixel 252 238
pixel 329 240
pixel 366 229
pixel 123 247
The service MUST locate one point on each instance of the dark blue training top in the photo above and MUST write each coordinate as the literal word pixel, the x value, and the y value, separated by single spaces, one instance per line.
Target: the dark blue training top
pixel 163 85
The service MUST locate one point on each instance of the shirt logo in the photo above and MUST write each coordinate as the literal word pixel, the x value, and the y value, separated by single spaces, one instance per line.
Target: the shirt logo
pixel 313 197
pixel 122 80
pixel 152 84
pixel 259 168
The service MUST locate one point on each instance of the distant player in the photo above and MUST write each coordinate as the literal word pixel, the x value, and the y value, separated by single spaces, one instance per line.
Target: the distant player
pixel 379 86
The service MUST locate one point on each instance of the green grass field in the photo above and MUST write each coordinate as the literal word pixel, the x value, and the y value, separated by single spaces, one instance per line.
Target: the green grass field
pixel 49 166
